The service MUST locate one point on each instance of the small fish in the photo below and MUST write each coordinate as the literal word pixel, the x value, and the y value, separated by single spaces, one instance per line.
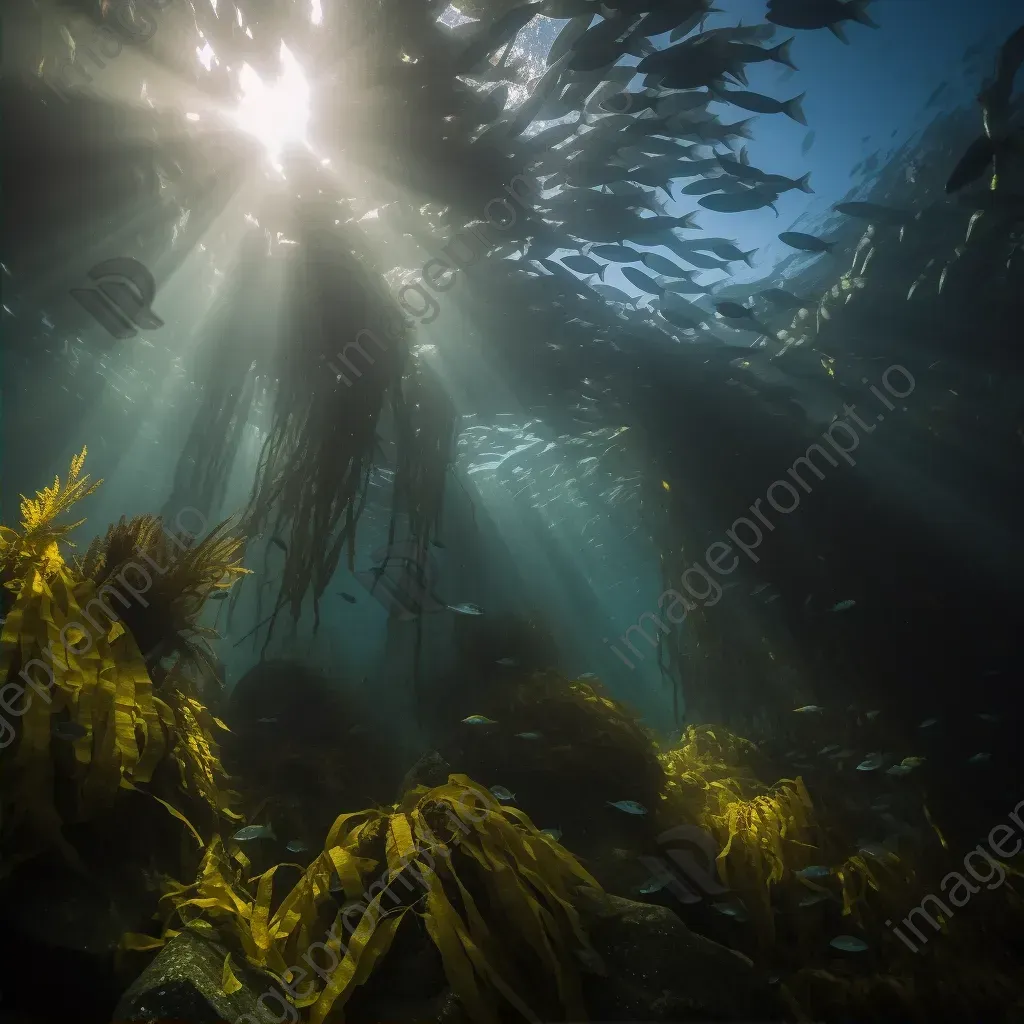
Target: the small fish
pixel 899 770
pixel 297 846
pixel 266 721
pixel 841 606
pixel 841 755
pixel 760 104
pixel 874 212
pixel 805 242
pixel 980 758
pixel 69 731
pixel 554 833
pixel 808 709
pixel 628 806
pixel 478 720
pixel 653 886
pixel 734 909
pixel 243 835
pixel 849 944
pixel 818 896
pixel 734 311
pixel 928 723
pixel 587 675
pixel 502 793
pixel 347 596
pixel 871 715
pixel 814 871
pixel 528 735
pixel 870 763
pixel 752 199
pixel 466 609
pixel 221 595
pixel 986 717
pixel 913 762
pixel 805 146
pixel 438 544
pixel 278 543
pixel 757 590
pixel 828 750
pixel 507 662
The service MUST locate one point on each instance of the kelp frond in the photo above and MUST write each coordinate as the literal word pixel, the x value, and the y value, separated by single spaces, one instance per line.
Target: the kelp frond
pixel 90 721
pixel 314 468
pixel 492 891
pixel 764 832
pixel 36 548
pixel 176 575
pixel 84 683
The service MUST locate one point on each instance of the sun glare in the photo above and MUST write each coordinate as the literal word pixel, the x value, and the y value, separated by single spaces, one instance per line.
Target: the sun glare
pixel 276 113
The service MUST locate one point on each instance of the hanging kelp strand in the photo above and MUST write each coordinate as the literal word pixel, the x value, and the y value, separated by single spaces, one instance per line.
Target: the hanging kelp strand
pixel 334 374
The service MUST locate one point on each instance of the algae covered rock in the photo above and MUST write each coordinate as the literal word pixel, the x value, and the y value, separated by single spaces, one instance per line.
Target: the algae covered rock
pixel 653 968
pixel 183 983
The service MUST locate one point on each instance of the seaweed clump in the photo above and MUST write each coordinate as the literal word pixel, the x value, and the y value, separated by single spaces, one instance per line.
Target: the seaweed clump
pixel 494 895
pixel 764 832
pixel 87 720
pixel 583 750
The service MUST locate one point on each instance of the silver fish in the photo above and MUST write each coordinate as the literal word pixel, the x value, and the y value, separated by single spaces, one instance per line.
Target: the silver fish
pixel 628 806
pixel 763 104
pixel 814 871
pixel 466 609
pixel 733 909
pixel 243 835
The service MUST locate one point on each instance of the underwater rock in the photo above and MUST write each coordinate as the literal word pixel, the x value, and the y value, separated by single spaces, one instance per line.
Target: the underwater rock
pixel 298 741
pixel 656 969
pixel 183 983
pixel 430 770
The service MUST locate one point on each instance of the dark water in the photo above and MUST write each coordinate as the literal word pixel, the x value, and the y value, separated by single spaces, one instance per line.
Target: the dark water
pixel 465 471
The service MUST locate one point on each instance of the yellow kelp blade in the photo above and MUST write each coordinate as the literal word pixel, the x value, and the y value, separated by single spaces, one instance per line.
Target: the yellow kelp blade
pixel 228 982
pixel 370 941
pixel 440 921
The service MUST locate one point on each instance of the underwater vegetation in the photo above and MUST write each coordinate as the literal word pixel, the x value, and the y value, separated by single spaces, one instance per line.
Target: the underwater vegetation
pixel 762 832
pixel 310 872
pixel 451 866
pixel 88 719
pixel 492 892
